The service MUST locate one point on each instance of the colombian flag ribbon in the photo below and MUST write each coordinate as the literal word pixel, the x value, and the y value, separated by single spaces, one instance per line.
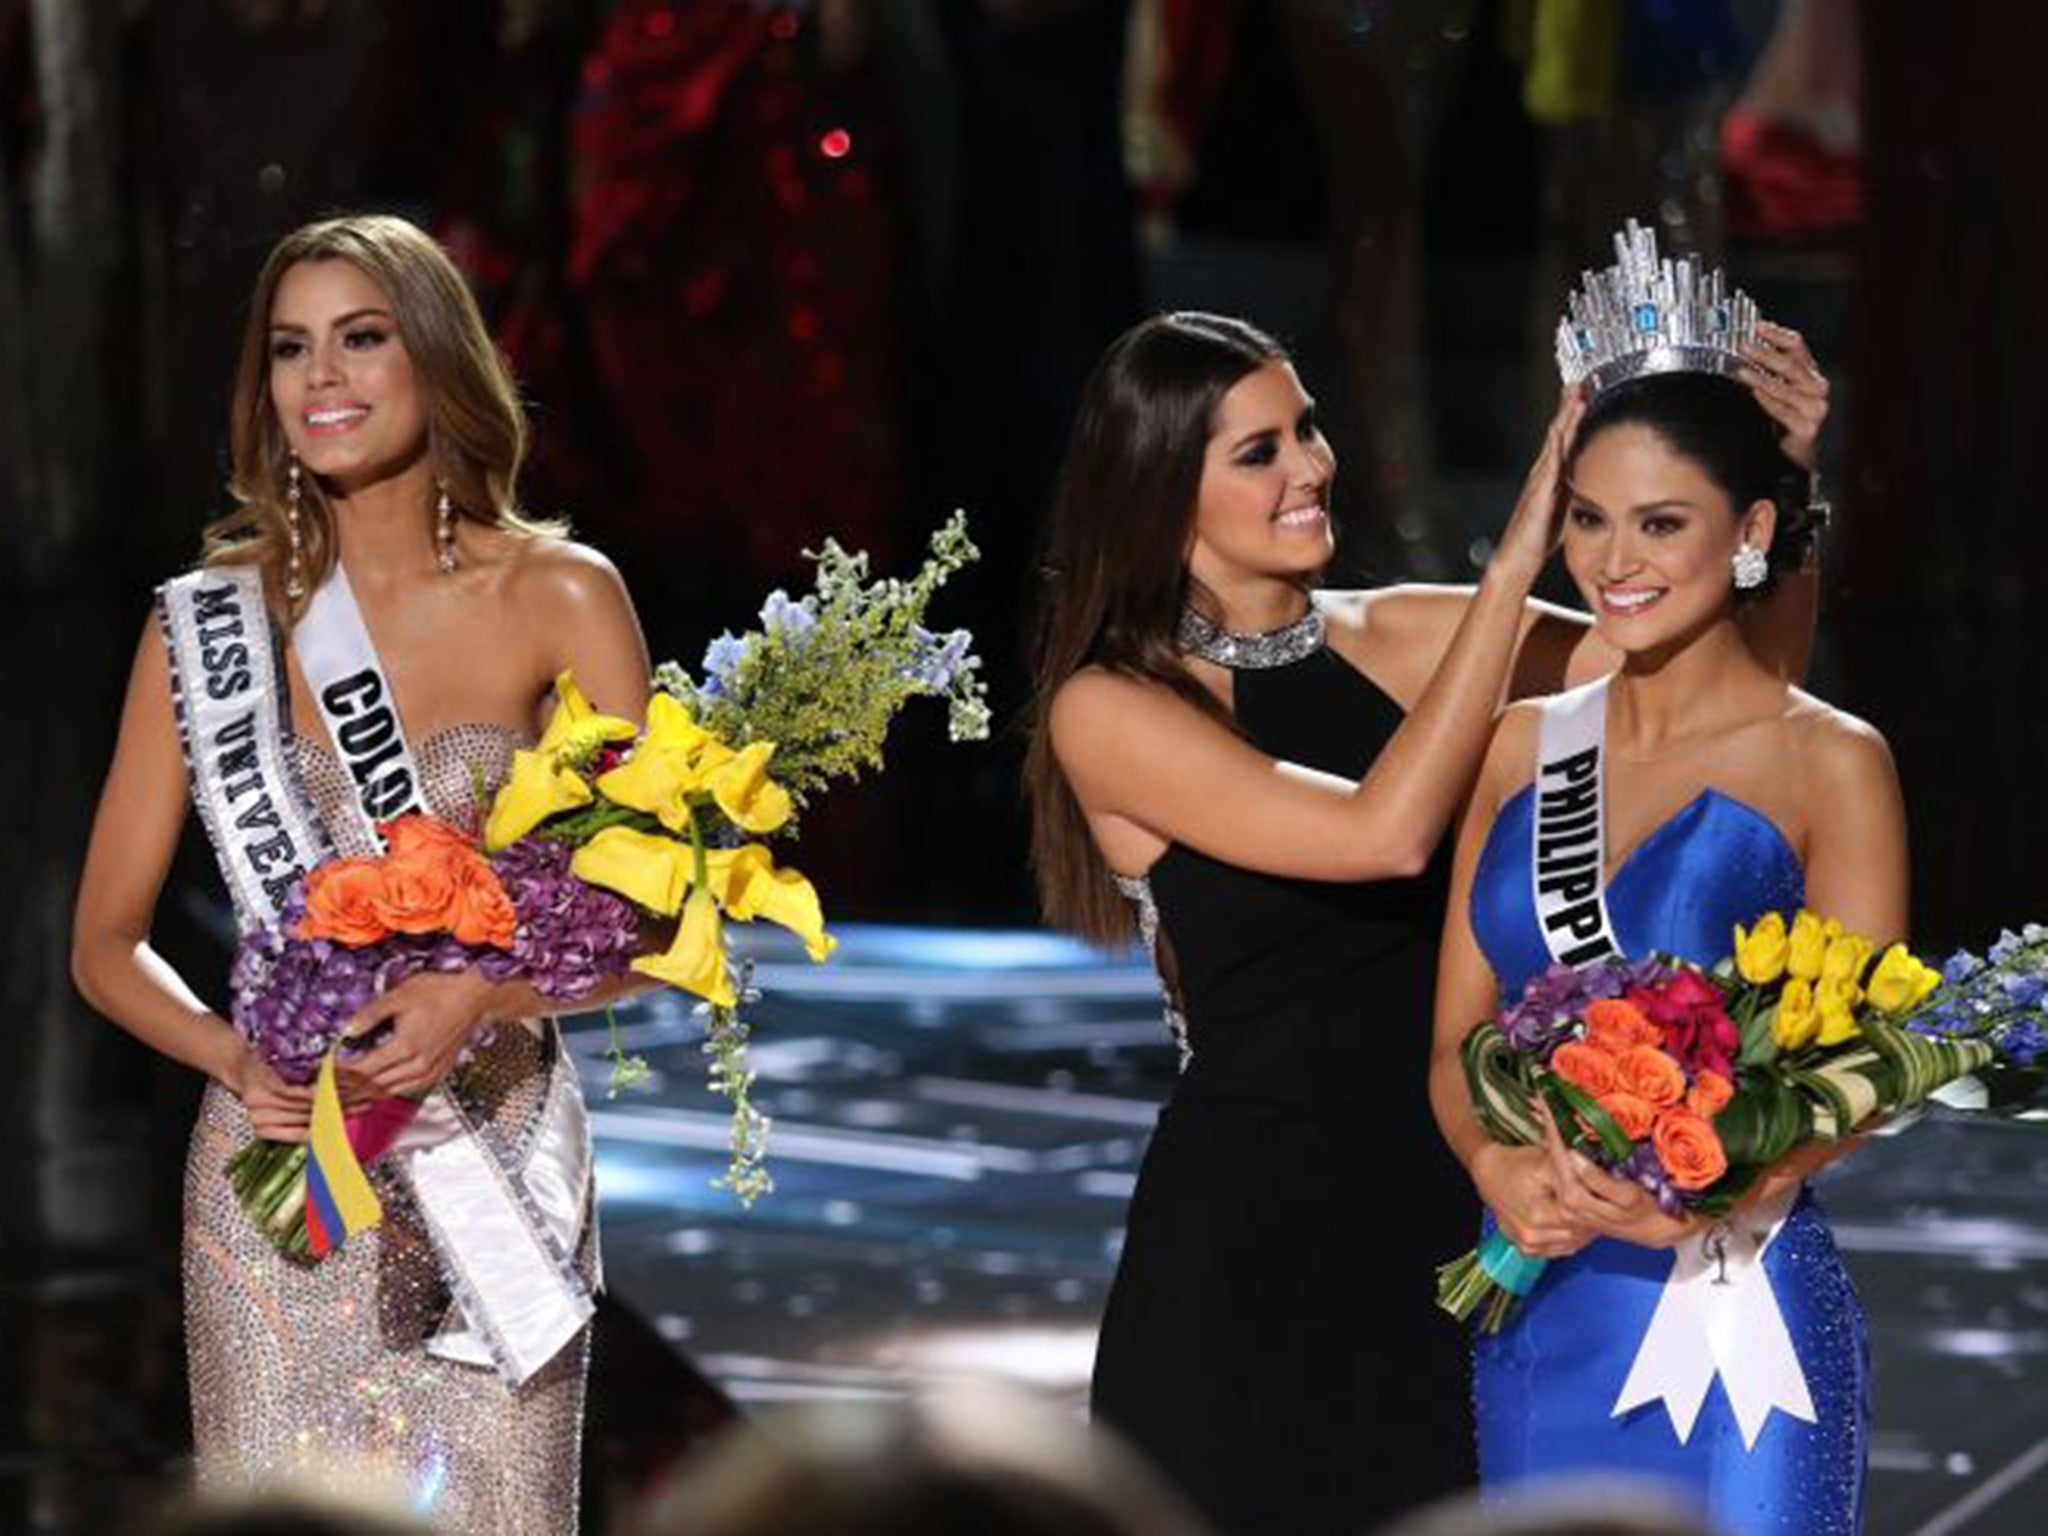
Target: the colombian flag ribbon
pixel 339 1200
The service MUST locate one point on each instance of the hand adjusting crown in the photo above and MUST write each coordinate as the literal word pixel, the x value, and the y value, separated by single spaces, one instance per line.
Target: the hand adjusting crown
pixel 1647 315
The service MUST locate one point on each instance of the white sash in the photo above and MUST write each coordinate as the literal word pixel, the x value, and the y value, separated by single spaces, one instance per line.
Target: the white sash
pixel 357 703
pixel 1717 1313
pixel 1569 827
pixel 506 1225
pixel 226 676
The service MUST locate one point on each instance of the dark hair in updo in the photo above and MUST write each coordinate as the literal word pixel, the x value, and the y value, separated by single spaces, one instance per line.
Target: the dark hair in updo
pixel 1716 423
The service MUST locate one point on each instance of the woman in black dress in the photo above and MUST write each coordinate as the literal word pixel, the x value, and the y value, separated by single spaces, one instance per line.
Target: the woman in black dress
pixel 1260 775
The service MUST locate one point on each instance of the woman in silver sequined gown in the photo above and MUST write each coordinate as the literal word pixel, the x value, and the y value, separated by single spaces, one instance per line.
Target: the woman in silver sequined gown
pixel 375 426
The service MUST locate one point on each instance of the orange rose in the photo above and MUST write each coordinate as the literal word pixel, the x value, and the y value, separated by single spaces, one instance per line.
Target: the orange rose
pixel 410 833
pixel 1634 1115
pixel 1688 1148
pixel 1709 1095
pixel 1584 1066
pixel 1649 1074
pixel 421 891
pixel 341 903
pixel 483 912
pixel 1614 1025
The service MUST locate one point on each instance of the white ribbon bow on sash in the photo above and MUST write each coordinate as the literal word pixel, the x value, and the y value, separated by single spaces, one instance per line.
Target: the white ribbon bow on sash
pixel 1718 1313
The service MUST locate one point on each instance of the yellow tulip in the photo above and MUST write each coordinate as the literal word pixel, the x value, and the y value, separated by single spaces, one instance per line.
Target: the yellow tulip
pixel 1846 958
pixel 536 789
pixel 695 962
pixel 1900 981
pixel 1836 1000
pixel 746 794
pixel 576 730
pixel 1807 945
pixel 748 885
pixel 1761 952
pixel 653 871
pixel 1797 1020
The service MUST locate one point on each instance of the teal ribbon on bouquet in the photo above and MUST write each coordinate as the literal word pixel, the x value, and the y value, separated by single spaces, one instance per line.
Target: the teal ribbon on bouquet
pixel 1507 1266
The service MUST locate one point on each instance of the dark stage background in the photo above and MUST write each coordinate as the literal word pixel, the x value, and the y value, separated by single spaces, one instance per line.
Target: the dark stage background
pixel 773 271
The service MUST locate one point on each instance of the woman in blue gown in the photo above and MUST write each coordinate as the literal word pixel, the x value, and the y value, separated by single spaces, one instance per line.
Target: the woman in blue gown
pixel 1725 794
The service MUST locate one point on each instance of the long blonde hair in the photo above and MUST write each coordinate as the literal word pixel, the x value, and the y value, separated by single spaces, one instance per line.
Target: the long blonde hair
pixel 476 426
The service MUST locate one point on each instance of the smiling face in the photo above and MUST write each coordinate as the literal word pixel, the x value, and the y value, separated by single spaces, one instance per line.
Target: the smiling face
pixel 341 380
pixel 1649 537
pixel 1262 510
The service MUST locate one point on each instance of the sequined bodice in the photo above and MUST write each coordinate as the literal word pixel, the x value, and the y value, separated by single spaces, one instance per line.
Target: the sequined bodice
pixel 1681 891
pixel 461 767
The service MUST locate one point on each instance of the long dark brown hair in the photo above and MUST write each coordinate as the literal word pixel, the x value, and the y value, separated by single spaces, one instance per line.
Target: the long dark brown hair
pixel 476 427
pixel 1115 575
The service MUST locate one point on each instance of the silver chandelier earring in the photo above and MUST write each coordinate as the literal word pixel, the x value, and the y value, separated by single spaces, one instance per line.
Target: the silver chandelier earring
pixel 1752 567
pixel 295 577
pixel 444 533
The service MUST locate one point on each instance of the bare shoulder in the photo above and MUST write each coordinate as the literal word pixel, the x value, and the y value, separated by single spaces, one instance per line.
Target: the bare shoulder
pixel 1841 754
pixel 1097 700
pixel 546 575
pixel 1397 635
pixel 1511 756
pixel 1099 715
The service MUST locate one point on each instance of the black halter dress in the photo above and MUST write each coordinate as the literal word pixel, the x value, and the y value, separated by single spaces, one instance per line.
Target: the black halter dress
pixel 1271 1339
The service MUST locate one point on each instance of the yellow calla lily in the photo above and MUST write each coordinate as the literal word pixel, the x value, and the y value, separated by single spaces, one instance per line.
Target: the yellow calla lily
pixel 671 726
pixel 1901 981
pixel 537 788
pixel 695 962
pixel 652 871
pixel 654 779
pixel 576 730
pixel 746 794
pixel 747 885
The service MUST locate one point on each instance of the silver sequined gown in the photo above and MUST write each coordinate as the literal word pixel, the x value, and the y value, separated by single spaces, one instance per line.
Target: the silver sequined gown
pixel 297 1368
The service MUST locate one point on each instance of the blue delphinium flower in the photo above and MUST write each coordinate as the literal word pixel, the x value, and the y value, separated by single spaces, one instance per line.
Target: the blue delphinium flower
pixel 1960 967
pixel 722 658
pixel 940 658
pixel 789 619
pixel 2023 1042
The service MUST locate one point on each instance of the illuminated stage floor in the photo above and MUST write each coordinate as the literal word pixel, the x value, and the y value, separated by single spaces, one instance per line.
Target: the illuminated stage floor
pixel 958 1119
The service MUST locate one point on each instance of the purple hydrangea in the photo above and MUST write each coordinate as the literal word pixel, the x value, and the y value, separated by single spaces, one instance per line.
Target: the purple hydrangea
pixel 571 934
pixel 1548 1012
pixel 292 997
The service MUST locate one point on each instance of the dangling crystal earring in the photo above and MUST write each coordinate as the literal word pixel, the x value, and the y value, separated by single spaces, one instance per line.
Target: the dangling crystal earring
pixel 295 580
pixel 1751 565
pixel 444 534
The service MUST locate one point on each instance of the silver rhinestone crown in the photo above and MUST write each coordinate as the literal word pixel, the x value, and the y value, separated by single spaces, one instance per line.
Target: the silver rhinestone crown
pixel 1649 314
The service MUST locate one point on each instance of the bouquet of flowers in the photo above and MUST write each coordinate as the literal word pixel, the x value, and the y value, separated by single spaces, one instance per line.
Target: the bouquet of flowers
pixel 604 830
pixel 1693 1082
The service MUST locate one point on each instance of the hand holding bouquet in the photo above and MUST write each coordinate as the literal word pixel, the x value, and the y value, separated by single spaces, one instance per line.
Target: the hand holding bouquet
pixel 1694 1085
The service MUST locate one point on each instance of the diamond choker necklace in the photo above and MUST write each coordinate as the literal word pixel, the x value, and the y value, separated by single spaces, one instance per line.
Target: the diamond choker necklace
pixel 1204 637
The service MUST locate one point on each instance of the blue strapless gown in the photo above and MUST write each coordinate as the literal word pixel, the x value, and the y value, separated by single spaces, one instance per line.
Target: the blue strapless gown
pixel 1545 1386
